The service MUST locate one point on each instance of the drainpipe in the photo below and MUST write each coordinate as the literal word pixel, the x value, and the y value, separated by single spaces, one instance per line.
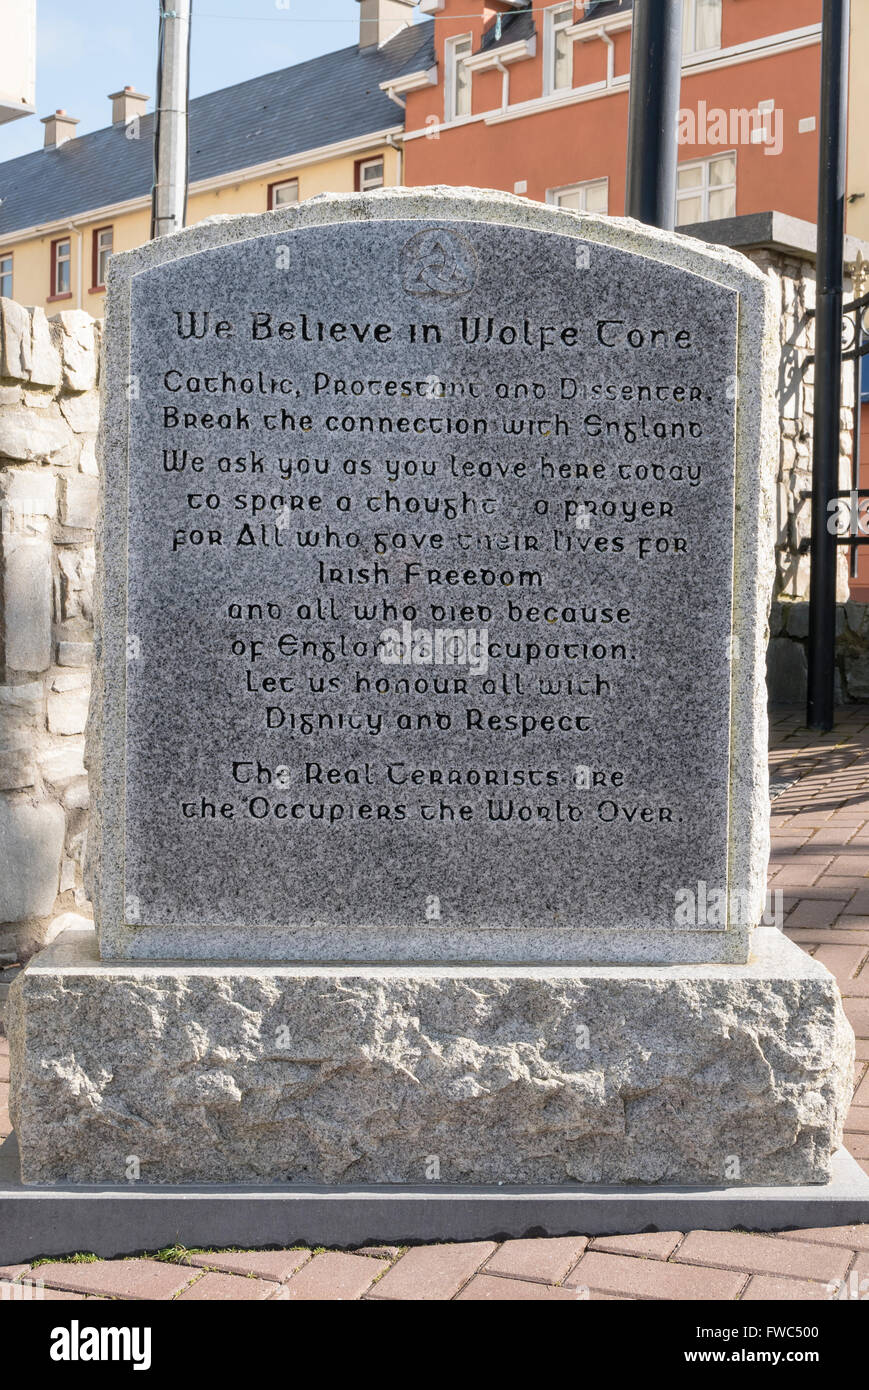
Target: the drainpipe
pixel 604 35
pixel 610 56
pixel 75 229
pixel 399 150
pixel 505 84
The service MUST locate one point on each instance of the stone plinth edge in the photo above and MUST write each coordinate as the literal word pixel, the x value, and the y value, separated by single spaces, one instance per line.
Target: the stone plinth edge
pixel 546 1075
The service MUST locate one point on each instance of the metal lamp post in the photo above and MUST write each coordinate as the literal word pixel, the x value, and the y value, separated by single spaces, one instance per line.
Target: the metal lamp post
pixel 656 72
pixel 169 196
pixel 828 362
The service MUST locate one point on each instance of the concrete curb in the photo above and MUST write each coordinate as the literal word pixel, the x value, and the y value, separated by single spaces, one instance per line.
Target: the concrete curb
pixel 107 1221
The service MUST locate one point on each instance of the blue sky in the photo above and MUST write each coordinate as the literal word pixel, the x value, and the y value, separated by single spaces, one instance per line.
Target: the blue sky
pixel 87 48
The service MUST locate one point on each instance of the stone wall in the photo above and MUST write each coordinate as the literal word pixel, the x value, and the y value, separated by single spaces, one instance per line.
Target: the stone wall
pixel 789 616
pixel 48 500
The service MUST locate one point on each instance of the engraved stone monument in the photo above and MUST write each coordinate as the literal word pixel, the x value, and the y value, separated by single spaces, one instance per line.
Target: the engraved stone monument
pixel 428 742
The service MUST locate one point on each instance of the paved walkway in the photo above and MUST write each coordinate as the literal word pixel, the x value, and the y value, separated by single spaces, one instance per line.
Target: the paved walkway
pixel 820 861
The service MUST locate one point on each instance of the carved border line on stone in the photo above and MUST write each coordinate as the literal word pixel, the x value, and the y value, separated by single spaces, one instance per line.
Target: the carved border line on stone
pixel 756 443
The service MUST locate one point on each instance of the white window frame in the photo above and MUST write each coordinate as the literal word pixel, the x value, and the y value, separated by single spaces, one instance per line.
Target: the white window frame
pixel 103 250
pixel 453 61
pixel 705 188
pixel 7 269
pixel 552 26
pixel 61 264
pixel 689 30
pixel 366 164
pixel 275 189
pixel 554 195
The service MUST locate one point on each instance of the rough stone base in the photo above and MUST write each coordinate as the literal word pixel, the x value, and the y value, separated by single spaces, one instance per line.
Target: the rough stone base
pixel 238 1073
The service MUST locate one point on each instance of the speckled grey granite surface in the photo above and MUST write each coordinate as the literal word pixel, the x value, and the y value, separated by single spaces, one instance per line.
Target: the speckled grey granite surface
pixel 464 1032
pixel 605 1074
pixel 169 716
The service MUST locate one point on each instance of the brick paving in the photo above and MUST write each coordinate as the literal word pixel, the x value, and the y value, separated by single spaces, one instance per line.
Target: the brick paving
pixel 820 862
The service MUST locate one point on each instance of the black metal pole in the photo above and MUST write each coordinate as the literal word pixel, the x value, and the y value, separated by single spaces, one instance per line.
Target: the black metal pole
pixel 828 361
pixel 656 71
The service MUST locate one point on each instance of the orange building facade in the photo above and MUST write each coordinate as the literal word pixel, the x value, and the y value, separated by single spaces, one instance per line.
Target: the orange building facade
pixel 534 100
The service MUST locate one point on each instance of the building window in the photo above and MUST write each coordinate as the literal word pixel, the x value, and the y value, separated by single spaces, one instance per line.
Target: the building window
pixel 558 48
pixel 706 190
pixel 368 174
pixel 102 250
pixel 282 195
pixel 6 277
pixel 61 277
pixel 458 77
pixel 582 197
pixel 701 26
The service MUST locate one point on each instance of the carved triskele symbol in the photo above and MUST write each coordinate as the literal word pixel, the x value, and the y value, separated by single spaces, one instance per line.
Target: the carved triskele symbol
pixel 438 264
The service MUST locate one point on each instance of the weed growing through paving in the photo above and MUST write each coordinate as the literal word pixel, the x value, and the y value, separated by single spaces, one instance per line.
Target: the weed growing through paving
pixel 82 1257
pixel 178 1254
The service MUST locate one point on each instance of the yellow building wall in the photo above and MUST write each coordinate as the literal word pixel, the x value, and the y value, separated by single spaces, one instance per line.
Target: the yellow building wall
pixel 858 123
pixel 31 272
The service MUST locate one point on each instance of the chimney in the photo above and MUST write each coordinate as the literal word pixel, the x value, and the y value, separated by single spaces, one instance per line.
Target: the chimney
pixel 59 127
pixel 380 20
pixel 127 105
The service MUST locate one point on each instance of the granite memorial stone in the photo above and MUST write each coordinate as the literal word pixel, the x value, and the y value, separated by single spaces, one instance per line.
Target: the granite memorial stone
pixel 395 649
pixel 428 737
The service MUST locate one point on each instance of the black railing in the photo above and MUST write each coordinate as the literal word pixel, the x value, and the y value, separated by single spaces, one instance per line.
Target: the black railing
pixel 855 346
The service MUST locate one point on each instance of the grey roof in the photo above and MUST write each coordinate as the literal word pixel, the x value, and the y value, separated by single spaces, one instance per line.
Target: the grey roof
pixel 319 102
pixel 605 9
pixel 520 24
pixel 514 27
